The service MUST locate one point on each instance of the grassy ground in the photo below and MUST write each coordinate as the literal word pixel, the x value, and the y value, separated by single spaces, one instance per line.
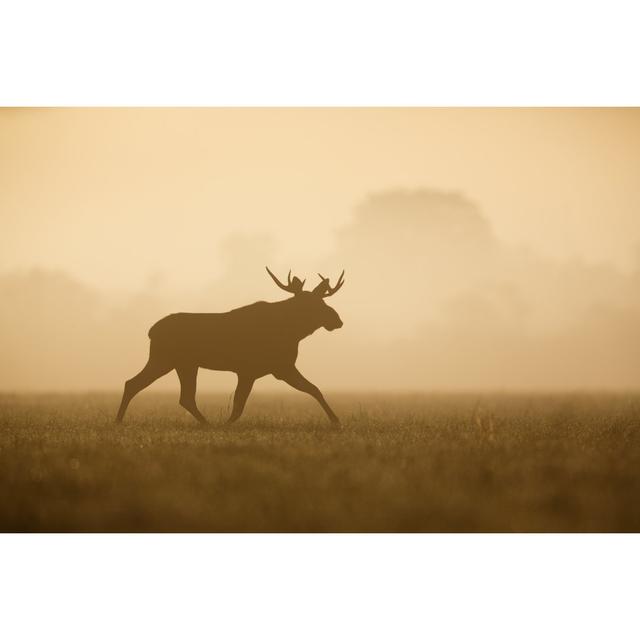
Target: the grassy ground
pixel 399 463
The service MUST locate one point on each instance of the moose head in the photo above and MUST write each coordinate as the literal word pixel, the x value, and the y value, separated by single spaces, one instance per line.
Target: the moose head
pixel 311 304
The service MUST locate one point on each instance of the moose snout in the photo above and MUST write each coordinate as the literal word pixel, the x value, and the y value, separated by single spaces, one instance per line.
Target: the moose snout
pixel 336 324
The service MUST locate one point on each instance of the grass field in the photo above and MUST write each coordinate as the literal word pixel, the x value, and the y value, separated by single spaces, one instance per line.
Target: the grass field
pixel 399 463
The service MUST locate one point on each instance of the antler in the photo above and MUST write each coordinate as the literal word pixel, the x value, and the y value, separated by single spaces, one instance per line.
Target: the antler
pixel 294 285
pixel 324 288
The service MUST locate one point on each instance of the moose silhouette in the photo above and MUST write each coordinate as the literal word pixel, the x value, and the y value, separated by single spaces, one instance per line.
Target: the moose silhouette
pixel 252 341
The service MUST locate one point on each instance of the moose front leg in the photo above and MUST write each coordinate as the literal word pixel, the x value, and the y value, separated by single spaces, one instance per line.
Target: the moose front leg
pixel 245 384
pixel 294 378
pixel 188 375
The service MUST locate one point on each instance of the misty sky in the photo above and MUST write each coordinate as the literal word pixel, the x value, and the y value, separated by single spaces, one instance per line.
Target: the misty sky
pixel 118 197
pixel 484 248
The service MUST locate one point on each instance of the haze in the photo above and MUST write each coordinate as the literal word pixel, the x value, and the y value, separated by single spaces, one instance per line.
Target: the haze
pixel 484 248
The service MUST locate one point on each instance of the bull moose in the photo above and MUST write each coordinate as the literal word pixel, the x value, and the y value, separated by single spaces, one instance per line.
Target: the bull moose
pixel 252 341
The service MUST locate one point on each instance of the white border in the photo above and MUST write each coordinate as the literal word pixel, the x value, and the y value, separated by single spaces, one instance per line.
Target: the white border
pixel 318 587
pixel 287 52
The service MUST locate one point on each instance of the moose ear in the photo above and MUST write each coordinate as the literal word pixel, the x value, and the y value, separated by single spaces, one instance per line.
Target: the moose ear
pixel 321 289
pixel 325 289
pixel 297 284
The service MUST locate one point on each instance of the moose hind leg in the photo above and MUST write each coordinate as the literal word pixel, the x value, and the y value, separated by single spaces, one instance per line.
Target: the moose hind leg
pixel 150 373
pixel 188 376
pixel 294 378
pixel 245 384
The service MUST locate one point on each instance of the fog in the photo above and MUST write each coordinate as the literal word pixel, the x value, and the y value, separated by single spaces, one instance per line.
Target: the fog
pixel 455 280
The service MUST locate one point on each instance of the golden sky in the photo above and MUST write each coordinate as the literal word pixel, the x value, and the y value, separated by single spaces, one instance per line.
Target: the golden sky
pixel 115 196
pixel 484 248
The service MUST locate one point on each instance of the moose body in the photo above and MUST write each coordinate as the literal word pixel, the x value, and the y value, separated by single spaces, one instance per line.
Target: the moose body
pixel 252 341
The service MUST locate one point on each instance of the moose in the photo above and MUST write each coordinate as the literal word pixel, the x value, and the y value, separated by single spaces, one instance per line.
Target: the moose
pixel 252 341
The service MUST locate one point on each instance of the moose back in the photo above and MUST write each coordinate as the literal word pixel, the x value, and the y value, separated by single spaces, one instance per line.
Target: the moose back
pixel 252 341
